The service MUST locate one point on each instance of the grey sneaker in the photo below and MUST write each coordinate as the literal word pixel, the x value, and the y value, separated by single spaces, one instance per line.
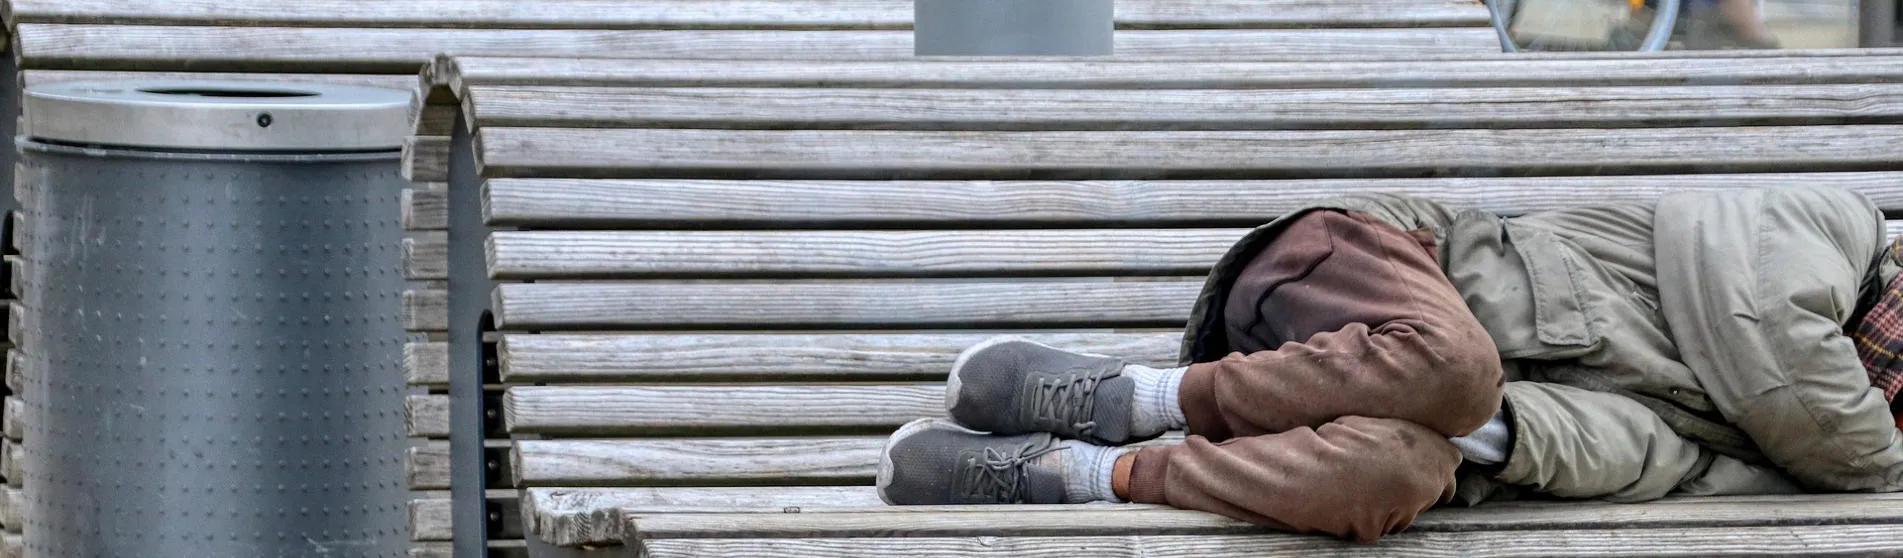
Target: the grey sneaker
pixel 935 462
pixel 1010 385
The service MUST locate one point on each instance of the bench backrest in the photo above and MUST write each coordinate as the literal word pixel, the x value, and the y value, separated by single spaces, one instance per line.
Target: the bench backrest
pixel 727 279
pixel 385 43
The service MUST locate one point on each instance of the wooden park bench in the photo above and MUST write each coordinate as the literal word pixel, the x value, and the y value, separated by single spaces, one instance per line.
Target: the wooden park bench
pixel 386 43
pixel 717 285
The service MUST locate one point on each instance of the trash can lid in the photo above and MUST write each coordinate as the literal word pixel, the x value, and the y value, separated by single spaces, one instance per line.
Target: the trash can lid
pixel 217 115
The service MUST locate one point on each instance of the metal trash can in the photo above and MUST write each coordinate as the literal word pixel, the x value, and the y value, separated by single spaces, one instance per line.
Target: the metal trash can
pixel 213 288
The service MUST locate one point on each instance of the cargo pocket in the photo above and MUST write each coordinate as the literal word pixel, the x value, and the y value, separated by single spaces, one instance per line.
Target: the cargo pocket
pixel 1524 286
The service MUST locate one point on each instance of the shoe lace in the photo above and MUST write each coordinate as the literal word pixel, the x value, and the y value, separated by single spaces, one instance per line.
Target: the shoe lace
pixel 1067 401
pixel 1003 475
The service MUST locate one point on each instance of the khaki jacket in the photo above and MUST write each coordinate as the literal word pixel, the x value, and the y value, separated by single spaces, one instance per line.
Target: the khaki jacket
pixel 1691 345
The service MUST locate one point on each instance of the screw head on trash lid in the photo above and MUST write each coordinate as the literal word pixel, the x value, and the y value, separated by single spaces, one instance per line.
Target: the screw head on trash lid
pixel 217 115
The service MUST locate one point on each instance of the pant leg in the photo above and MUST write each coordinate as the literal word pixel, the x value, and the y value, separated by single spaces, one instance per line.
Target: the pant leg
pixel 1355 477
pixel 1343 315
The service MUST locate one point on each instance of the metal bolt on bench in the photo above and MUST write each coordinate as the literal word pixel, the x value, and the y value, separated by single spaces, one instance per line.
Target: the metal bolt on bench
pixel 213 288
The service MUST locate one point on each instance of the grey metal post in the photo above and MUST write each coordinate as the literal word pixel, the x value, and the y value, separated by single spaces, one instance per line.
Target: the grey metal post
pixel 1878 23
pixel 469 288
pixel 1013 27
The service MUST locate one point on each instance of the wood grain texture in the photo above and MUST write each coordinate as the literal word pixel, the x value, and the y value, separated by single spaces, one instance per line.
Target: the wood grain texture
pixel 426 256
pixel 1113 521
pixel 712 204
pixel 426 416
pixel 371 50
pixel 426 310
pixel 12 457
pixel 697 461
pixel 881 154
pixel 16 322
pixel 578 516
pixel 427 466
pixel 430 517
pixel 426 364
pixel 721 14
pixel 1480 70
pixel 497 549
pixel 12 504
pixel 1185 109
pixel 1832 540
pixel 528 358
pixel 17 373
pixel 13 413
pixel 816 254
pixel 426 208
pixel 844 304
pixel 426 158
pixel 389 81
pixel 13 544
pixel 616 411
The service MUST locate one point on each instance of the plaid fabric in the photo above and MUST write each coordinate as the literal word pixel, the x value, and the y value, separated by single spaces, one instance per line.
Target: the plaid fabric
pixel 1880 337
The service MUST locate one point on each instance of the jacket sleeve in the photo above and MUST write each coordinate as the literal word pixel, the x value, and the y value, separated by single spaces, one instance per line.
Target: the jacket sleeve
pixel 1575 443
pixel 1756 287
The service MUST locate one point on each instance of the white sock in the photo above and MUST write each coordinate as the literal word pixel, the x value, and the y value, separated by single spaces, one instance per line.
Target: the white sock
pixel 1489 444
pixel 1158 408
pixel 1087 471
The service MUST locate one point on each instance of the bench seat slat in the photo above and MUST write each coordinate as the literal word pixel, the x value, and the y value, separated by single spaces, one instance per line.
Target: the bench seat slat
pixel 389 81
pixel 531 358
pixel 751 204
pixel 815 254
pixel 613 411
pixel 1232 72
pixel 877 154
pixel 385 50
pixel 1115 521
pixel 729 14
pixel 844 304
pixel 1190 109
pixel 844 460
pixel 1828 540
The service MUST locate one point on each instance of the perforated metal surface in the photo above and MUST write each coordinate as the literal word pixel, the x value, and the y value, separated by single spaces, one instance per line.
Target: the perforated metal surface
pixel 217 349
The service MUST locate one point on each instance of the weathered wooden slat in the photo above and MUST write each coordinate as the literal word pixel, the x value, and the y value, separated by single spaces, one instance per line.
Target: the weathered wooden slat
pixel 592 516
pixel 426 208
pixel 427 466
pixel 13 544
pixel 1192 109
pixel 611 411
pixel 1229 72
pixel 16 323
pixel 697 461
pixel 426 364
pixel 370 50
pixel 426 158
pixel 426 256
pixel 426 310
pixel 560 202
pixel 528 358
pixel 12 456
pixel 814 254
pixel 516 548
pixel 845 304
pixel 426 416
pixel 1830 540
pixel 16 371
pixel 880 154
pixel 13 413
pixel 12 504
pixel 390 81
pixel 430 516
pixel 721 14
pixel 1117 521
